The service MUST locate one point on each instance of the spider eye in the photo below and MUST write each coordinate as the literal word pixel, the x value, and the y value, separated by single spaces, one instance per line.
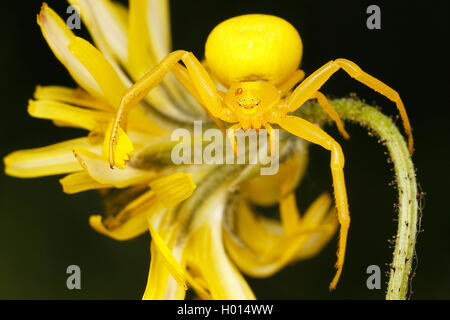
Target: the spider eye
pixel 238 91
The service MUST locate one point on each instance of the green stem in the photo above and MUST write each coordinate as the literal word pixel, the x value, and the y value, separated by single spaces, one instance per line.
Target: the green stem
pixel 382 125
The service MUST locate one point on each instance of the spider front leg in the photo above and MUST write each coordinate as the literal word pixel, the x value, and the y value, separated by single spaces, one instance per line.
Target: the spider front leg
pixel 314 134
pixel 183 75
pixel 311 84
pixel 201 81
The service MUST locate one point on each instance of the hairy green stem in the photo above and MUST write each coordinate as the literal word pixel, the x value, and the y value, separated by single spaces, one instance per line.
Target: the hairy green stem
pixel 383 126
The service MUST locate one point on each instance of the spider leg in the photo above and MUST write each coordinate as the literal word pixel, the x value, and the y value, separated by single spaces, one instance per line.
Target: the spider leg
pixel 182 74
pixel 232 138
pixel 206 90
pixel 271 137
pixel 313 83
pixel 314 134
pixel 290 82
pixel 329 109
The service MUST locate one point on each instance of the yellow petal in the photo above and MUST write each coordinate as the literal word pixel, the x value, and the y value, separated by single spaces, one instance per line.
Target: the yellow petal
pixel 167 278
pixel 301 244
pixel 106 24
pixel 290 217
pixel 122 149
pixel 80 181
pixel 100 69
pixel 100 170
pixel 128 230
pixel 206 252
pixel 58 37
pixel 131 221
pixel 306 240
pixel 157 18
pixel 223 279
pixel 173 189
pixel 158 24
pixel 254 230
pixel 269 189
pixel 160 284
pixel 137 119
pixel 140 57
pixel 54 159
pixel 167 258
pixel 64 113
pixel 71 96
pixel 317 210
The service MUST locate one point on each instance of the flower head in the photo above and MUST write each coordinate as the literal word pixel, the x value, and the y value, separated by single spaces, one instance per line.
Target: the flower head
pixel 202 218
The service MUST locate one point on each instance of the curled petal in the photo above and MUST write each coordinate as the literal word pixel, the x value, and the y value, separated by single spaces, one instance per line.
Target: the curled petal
pixel 100 170
pixel 290 217
pixel 58 37
pixel 305 240
pixel 164 270
pixel 128 230
pixel 223 279
pixel 131 221
pixel 123 147
pixel 207 253
pixel 167 257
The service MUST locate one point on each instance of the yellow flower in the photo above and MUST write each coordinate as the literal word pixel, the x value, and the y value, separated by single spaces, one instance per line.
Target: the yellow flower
pixel 201 239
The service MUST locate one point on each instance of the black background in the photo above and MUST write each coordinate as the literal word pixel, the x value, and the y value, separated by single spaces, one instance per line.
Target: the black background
pixel 42 230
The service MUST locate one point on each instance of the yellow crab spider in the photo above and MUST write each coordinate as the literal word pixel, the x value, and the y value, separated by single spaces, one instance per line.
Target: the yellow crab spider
pixel 256 57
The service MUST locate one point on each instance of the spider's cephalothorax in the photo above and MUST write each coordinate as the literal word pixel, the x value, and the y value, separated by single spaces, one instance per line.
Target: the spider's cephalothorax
pixel 255 57
pixel 250 101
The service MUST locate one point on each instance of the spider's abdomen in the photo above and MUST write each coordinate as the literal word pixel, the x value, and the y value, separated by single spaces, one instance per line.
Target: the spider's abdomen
pixel 253 47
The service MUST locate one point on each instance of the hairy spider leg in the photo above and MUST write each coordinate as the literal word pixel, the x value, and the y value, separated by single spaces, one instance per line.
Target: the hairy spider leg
pixel 199 77
pixel 313 83
pixel 314 134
